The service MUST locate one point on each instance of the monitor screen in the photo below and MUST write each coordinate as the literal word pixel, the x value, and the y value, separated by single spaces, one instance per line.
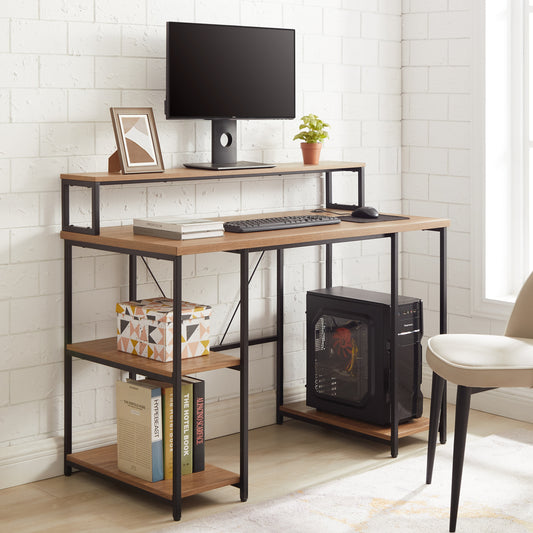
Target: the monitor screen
pixel 235 72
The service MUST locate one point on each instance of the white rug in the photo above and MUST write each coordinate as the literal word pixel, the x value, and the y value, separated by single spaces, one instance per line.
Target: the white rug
pixel 496 496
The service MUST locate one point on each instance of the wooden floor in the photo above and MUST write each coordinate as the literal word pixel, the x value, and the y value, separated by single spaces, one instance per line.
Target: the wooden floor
pixel 283 458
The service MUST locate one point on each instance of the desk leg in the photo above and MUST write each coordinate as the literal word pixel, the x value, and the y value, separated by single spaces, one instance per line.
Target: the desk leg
pixel 132 277
pixel 279 336
pixel 176 371
pixel 95 201
pixel 394 345
pixel 329 265
pixel 361 185
pixel 67 443
pixel 243 485
pixel 329 190
pixel 132 262
pixel 443 322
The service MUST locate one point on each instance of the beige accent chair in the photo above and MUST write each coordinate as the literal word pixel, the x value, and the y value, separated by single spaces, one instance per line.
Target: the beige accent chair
pixel 476 363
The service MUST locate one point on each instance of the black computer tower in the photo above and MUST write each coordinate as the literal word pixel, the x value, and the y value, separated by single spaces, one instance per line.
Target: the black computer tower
pixel 348 354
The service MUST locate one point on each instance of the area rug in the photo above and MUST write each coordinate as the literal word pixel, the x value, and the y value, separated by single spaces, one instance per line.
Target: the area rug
pixel 496 496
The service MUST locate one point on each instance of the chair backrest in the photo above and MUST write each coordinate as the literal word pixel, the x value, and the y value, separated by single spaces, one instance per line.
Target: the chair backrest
pixel 521 320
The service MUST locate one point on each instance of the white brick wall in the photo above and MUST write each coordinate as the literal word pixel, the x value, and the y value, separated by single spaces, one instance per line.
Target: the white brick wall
pixel 64 63
pixel 437 135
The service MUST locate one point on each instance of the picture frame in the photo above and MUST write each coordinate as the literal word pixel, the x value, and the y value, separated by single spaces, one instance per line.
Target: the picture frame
pixel 138 146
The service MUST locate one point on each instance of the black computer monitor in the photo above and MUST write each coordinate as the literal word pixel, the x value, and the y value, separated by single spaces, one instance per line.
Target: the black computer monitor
pixel 226 73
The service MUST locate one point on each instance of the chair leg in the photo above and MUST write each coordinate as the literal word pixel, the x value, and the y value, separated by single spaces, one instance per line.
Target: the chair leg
pixel 443 414
pixel 437 388
pixel 461 425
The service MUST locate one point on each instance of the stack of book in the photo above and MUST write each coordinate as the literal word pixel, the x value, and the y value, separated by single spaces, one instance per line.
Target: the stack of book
pixel 145 427
pixel 171 227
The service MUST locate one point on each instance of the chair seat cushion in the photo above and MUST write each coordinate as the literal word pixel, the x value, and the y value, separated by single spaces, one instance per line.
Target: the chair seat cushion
pixel 482 360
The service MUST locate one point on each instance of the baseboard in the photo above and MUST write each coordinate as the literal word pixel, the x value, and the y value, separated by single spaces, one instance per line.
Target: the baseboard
pixel 222 418
pixel 34 461
pixel 511 403
pixel 296 393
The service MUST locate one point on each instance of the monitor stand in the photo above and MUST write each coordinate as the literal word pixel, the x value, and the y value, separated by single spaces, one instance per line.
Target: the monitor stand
pixel 224 149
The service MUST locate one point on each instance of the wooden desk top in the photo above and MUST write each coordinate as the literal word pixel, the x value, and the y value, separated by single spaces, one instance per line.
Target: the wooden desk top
pixel 122 237
pixel 176 174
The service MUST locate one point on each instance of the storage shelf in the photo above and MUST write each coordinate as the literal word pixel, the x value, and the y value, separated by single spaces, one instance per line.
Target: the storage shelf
pixel 104 462
pixel 301 411
pixel 193 174
pixel 105 351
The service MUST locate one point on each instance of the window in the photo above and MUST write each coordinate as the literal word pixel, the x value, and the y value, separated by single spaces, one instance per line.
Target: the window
pixel 504 210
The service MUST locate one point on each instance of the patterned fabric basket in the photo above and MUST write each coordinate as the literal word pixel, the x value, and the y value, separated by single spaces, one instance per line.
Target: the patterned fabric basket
pixel 145 328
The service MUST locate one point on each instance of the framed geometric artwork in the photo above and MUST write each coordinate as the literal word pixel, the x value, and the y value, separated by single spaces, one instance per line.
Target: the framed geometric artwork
pixel 137 142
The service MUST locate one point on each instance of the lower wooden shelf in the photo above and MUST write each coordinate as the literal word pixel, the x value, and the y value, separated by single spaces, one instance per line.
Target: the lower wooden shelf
pixel 303 412
pixel 104 351
pixel 104 461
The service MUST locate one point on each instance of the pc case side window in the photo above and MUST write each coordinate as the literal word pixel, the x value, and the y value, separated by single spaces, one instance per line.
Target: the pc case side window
pixel 341 359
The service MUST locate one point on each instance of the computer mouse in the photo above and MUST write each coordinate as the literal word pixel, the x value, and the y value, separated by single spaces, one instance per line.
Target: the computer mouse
pixel 365 211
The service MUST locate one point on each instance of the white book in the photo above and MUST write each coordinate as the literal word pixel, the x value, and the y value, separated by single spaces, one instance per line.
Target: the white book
pixel 170 234
pixel 139 430
pixel 178 224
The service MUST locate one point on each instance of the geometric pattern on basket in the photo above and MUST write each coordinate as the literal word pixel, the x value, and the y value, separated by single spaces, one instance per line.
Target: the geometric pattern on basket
pixel 145 328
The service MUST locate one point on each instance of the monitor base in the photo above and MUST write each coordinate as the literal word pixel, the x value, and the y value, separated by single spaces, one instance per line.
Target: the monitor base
pixel 237 165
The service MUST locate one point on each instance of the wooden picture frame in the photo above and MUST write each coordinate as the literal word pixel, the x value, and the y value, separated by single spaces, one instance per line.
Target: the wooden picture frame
pixel 138 147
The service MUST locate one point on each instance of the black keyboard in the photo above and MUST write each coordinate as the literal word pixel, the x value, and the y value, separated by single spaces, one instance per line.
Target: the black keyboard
pixel 267 224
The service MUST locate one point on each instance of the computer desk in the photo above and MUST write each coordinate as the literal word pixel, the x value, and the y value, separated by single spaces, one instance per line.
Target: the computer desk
pixel 121 239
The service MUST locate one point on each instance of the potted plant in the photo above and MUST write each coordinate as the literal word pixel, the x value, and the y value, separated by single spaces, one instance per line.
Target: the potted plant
pixel 312 133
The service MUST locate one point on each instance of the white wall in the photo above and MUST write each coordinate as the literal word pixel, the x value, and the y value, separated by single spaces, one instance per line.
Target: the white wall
pixel 441 43
pixel 437 144
pixel 64 63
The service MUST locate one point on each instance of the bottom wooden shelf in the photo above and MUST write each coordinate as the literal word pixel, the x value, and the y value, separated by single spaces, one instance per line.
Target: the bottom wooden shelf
pixel 303 412
pixel 104 461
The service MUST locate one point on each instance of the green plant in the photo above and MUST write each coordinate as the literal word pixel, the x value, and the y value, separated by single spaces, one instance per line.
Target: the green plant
pixel 315 132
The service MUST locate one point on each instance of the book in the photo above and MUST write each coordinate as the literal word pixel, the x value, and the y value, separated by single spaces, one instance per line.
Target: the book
pixel 167 395
pixel 186 427
pixel 198 439
pixel 179 225
pixel 171 234
pixel 139 430
pixel 167 390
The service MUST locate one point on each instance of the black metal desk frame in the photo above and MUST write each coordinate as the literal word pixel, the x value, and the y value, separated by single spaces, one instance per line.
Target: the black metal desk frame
pixel 245 342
